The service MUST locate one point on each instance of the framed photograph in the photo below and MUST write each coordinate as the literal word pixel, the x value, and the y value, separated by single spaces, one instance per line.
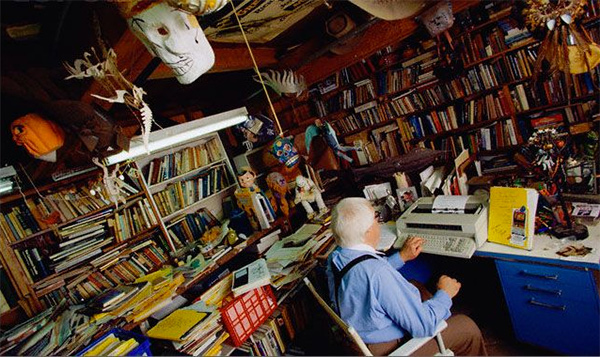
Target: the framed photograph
pixel 406 196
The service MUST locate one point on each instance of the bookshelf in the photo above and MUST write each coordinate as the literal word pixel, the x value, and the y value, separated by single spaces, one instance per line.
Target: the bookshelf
pixel 58 242
pixel 188 178
pixel 488 106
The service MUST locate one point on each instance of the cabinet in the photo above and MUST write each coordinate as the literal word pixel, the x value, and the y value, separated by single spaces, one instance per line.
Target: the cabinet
pixel 552 306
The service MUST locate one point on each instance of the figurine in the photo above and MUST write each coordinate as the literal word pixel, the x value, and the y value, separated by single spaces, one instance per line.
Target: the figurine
pixel 307 192
pixel 278 190
pixel 285 154
pixel 245 193
pixel 321 127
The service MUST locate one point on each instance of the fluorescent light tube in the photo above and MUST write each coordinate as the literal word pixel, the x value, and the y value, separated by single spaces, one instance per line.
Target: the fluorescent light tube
pixel 179 134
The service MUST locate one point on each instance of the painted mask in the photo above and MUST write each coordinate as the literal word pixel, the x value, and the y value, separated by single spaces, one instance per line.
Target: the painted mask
pixel 438 18
pixel 39 136
pixel 284 151
pixel 173 35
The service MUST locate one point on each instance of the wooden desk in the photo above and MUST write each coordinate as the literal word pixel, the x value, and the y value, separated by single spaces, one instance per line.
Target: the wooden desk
pixel 553 301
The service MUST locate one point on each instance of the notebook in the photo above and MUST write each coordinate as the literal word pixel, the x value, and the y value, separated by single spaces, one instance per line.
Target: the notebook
pixel 512 216
pixel 176 325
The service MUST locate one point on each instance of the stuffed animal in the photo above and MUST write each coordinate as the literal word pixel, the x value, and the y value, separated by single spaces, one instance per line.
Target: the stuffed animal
pixel 278 190
pixel 306 193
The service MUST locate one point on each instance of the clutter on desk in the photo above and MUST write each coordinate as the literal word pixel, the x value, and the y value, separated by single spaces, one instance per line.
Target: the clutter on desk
pixel 574 250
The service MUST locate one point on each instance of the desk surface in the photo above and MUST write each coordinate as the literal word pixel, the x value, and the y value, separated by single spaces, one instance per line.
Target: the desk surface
pixel 545 248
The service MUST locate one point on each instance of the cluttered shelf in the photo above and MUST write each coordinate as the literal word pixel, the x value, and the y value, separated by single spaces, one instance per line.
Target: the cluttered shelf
pixel 161 185
pixel 194 206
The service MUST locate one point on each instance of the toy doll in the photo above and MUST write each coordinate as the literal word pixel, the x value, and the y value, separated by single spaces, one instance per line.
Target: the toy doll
pixel 278 190
pixel 306 193
pixel 245 196
pixel 321 127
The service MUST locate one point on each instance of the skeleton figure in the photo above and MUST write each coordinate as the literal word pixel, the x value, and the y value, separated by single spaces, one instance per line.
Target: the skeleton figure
pixel 171 34
pixel 109 76
pixel 287 82
pixel 110 182
pixel 306 193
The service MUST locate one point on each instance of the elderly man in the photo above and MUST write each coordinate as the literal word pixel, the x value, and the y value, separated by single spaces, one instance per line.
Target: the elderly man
pixel 372 296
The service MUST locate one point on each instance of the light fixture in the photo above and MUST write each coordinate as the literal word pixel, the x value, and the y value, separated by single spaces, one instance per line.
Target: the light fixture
pixel 179 134
pixel 8 176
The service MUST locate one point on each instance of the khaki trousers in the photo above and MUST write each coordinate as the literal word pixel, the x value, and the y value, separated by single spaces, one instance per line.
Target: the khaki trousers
pixel 462 336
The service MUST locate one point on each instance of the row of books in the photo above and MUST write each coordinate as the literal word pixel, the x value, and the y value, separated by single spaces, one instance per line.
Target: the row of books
pixel 147 258
pixel 520 63
pixel 190 227
pixel 182 194
pixel 359 120
pixel 183 161
pixel 394 80
pixel 133 219
pixel 26 218
pixel 364 91
pixel 499 135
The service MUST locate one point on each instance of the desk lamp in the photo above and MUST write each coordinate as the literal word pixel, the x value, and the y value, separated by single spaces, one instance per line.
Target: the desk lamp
pixel 550 151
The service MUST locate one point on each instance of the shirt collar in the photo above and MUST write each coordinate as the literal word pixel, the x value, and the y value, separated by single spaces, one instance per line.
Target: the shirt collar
pixel 365 248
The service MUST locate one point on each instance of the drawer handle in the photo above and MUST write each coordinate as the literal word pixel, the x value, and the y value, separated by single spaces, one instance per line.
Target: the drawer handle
pixel 549 291
pixel 549 277
pixel 532 301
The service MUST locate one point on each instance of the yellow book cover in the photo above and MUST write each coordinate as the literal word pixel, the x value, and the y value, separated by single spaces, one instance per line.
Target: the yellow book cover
pixel 101 346
pixel 124 348
pixel 174 326
pixel 512 216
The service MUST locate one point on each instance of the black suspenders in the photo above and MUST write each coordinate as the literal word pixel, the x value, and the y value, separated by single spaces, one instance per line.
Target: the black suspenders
pixel 339 274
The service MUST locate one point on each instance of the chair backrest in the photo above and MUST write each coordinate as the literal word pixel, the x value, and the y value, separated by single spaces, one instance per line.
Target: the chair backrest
pixel 348 330
pixel 404 350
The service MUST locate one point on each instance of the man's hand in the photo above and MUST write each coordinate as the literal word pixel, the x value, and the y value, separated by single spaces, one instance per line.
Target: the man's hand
pixel 411 248
pixel 450 285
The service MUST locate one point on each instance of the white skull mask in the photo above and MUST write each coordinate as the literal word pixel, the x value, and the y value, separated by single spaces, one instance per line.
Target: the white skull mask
pixel 176 37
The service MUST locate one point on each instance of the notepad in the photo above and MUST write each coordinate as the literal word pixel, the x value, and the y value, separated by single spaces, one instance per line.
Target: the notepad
pixel 176 325
pixel 512 216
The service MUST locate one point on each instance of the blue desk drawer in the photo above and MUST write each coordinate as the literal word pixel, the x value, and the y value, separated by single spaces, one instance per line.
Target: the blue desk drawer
pixel 568 322
pixel 523 273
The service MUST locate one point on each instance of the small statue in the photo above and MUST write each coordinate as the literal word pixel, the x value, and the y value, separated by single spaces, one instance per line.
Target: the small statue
pixel 245 193
pixel 307 192
pixel 321 127
pixel 278 190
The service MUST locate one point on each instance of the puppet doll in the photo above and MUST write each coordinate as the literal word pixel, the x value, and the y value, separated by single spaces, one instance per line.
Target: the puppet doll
pixel 321 127
pixel 306 193
pixel 245 196
pixel 278 190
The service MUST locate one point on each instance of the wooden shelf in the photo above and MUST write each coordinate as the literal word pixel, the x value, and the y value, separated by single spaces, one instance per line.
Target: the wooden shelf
pixel 163 184
pixel 459 130
pixel 70 221
pixel 558 106
pixel 196 205
pixel 502 53
pixel 487 23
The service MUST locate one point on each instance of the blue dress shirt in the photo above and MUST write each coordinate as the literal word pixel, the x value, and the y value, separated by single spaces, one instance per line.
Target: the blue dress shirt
pixel 379 302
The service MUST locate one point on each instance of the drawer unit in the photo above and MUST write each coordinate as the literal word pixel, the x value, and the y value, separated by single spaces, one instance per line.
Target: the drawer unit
pixel 556 308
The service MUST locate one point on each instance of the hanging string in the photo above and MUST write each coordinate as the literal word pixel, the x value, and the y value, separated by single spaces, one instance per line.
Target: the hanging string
pixel 256 68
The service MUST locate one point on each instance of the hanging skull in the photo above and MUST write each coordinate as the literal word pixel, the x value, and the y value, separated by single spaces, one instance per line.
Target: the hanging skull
pixel 171 34
pixel 390 9
pixel 438 18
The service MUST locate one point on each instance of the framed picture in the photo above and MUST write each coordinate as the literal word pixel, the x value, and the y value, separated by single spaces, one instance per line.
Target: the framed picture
pixel 406 196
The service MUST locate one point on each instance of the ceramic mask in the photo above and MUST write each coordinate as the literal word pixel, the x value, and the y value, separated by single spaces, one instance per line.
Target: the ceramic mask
pixel 283 149
pixel 176 37
pixel 439 18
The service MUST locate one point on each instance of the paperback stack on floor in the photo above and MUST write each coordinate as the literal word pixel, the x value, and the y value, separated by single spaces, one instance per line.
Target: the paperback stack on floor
pixel 194 330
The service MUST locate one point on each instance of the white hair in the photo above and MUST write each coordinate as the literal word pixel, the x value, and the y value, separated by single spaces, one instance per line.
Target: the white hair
pixel 350 220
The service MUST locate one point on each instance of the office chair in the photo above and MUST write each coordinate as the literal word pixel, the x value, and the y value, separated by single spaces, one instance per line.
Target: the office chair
pixel 404 350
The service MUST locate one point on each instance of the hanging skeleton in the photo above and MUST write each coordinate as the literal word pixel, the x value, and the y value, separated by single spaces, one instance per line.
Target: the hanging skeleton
pixel 567 47
pixel 108 75
pixel 287 82
pixel 111 184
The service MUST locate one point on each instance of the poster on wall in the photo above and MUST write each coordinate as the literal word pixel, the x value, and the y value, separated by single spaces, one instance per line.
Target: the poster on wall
pixel 263 20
